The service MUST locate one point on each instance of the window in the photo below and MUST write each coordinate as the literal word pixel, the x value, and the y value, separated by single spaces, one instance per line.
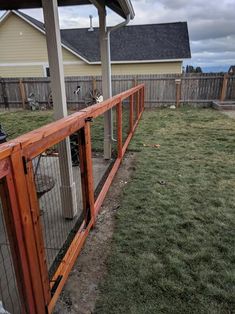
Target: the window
pixel 47 72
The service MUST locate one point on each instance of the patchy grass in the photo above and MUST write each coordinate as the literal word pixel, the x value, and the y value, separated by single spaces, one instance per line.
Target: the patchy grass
pixel 16 123
pixel 173 246
pixel 97 130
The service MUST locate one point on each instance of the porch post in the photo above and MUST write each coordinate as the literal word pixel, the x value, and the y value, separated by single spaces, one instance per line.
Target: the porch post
pixel 106 80
pixel 51 19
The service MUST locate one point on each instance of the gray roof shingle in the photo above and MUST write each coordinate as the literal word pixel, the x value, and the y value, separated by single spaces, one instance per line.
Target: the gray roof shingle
pixel 130 43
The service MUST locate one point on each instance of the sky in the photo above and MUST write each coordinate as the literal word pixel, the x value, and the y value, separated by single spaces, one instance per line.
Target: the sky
pixel 211 25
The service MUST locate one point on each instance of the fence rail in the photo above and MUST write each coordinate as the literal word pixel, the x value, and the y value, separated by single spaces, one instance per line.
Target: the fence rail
pixel 43 243
pixel 160 89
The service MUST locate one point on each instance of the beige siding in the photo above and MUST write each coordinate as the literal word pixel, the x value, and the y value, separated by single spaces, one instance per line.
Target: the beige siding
pixel 147 68
pixel 86 69
pixel 126 69
pixel 78 69
pixel 21 42
pixel 22 71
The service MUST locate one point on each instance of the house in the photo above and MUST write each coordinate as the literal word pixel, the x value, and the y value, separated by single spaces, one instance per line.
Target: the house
pixel 231 70
pixel 135 49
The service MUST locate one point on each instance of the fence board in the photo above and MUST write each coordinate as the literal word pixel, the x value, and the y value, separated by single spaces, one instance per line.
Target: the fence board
pixel 159 89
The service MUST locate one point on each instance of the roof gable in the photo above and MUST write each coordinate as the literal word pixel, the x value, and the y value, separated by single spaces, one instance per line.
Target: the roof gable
pixel 40 27
pixel 135 43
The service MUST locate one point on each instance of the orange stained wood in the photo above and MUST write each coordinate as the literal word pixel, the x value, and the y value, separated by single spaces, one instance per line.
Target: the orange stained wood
pixel 137 104
pixel 14 233
pixel 69 260
pixel 18 169
pixel 35 212
pixel 28 231
pixel 131 112
pixel 119 129
pixel 89 170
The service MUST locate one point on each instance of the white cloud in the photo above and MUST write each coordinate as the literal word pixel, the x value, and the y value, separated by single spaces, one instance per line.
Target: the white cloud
pixel 211 24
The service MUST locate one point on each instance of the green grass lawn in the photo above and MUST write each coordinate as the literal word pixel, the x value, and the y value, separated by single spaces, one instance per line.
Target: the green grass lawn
pixel 16 123
pixel 173 248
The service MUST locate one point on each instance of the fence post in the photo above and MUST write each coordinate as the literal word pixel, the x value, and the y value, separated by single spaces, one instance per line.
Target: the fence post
pixel 14 231
pixel 224 88
pixel 22 93
pixel 25 210
pixel 143 100
pixel 178 92
pixel 137 104
pixel 134 81
pixel 119 128
pixel 131 112
pixel 93 84
pixel 38 233
pixel 4 93
pixel 85 158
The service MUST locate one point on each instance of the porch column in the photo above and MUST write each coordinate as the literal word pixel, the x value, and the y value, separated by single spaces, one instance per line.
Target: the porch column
pixel 106 80
pixel 67 189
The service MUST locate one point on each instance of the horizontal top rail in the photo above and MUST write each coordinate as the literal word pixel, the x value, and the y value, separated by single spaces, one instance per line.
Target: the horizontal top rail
pixel 36 141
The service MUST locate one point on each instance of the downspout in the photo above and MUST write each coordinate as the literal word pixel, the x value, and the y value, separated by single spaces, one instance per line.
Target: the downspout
pixel 111 29
pixel 107 91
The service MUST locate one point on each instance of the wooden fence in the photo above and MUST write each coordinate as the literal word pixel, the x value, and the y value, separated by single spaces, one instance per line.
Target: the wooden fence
pixel 160 89
pixel 39 283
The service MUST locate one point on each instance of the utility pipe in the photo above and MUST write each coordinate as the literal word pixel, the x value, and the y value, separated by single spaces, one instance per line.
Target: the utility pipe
pixel 111 29
pixel 106 72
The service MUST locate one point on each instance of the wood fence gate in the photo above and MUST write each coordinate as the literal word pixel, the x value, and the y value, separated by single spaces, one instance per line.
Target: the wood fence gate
pixel 39 245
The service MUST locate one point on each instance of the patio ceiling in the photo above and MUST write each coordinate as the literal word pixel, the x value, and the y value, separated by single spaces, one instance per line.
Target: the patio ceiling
pixel 121 7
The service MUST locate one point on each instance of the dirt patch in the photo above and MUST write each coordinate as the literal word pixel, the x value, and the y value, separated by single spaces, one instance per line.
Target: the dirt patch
pixel 81 290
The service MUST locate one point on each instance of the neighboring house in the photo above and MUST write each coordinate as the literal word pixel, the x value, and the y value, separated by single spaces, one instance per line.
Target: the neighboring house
pixel 135 49
pixel 231 70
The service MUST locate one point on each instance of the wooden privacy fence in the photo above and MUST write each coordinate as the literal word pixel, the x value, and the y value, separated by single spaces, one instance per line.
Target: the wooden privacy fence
pixel 42 244
pixel 159 89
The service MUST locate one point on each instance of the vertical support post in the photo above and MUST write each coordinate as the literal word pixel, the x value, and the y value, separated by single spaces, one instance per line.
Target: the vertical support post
pixel 143 99
pixel 140 101
pixel 22 93
pixel 85 158
pixel 38 233
pixel 119 128
pixel 137 104
pixel 15 236
pixel 106 81
pixel 224 88
pixel 28 231
pixel 131 112
pixel 51 19
pixel 178 92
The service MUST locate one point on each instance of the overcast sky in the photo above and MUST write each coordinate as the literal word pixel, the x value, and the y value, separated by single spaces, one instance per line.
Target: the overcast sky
pixel 211 24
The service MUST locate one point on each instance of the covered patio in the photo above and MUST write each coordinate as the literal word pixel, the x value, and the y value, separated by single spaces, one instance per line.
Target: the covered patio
pixel 41 228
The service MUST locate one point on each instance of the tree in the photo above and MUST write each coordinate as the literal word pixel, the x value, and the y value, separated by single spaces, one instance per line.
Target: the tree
pixel 191 69
pixel 198 70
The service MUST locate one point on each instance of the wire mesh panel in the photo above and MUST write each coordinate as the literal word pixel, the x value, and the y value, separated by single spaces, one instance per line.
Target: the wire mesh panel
pixel 51 191
pixel 135 107
pixel 9 294
pixel 100 166
pixel 125 119
pixel 59 194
